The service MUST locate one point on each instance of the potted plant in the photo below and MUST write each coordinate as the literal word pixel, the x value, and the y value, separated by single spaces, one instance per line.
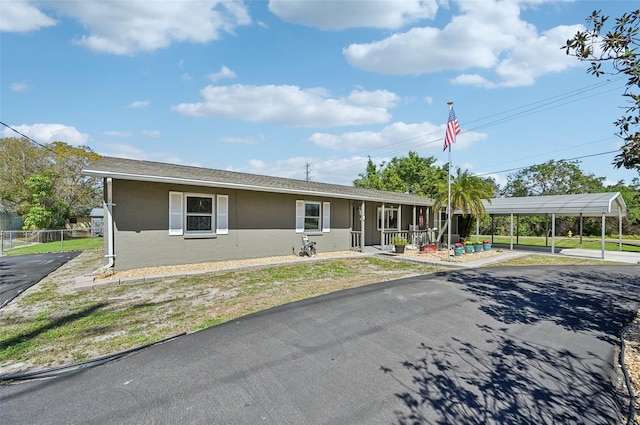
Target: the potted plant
pixel 399 243
pixel 486 244
pixel 457 249
pixel 468 247
pixel 477 246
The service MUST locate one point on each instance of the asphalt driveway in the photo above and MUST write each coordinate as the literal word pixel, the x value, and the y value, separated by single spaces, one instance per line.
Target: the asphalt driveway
pixel 19 272
pixel 481 346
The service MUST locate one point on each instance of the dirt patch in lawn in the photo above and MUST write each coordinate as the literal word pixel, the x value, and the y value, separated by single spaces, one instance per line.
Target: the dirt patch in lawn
pixel 52 324
pixel 192 297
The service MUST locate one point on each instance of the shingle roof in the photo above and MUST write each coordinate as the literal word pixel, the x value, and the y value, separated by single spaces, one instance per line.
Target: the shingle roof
pixel 128 169
pixel 588 204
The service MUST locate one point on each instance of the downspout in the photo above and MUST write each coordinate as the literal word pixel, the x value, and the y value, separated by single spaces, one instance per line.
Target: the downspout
pixel 111 257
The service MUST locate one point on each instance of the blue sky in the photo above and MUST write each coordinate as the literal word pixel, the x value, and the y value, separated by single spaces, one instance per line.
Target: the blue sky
pixel 267 87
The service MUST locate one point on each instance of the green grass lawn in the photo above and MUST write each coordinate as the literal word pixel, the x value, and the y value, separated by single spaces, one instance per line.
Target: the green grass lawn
pixel 67 245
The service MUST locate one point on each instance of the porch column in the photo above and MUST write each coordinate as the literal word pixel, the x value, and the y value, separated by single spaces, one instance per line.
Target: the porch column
pixel 399 218
pixel 362 220
pixel 414 216
pixel 382 227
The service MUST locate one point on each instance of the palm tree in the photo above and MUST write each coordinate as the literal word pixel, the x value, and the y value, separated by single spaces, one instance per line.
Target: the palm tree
pixel 467 193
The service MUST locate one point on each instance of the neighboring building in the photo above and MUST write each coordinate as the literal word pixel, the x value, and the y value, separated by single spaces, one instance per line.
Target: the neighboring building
pixel 97 221
pixel 9 220
pixel 159 214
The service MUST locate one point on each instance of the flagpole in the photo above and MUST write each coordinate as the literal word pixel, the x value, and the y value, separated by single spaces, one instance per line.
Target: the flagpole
pixel 450 103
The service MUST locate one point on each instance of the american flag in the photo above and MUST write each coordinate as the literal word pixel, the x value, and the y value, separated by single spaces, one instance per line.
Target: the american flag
pixel 453 128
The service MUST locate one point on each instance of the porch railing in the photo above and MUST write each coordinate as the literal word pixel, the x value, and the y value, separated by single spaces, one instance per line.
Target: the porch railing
pixel 356 240
pixel 415 238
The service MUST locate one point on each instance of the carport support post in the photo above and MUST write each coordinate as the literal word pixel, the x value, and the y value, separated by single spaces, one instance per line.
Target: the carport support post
pixel 1 243
pixel 603 234
pixel 619 229
pixel 553 233
pixel 511 234
pixel 581 230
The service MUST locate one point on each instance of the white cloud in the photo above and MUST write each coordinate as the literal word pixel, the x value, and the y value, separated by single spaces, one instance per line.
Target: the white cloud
pixel 223 73
pixel 125 150
pixel 140 104
pixel 151 133
pixel 20 16
pixel 121 134
pixel 332 170
pixel 127 27
pixel 338 15
pixel 48 133
pixel 488 35
pixel 423 137
pixel 290 105
pixel 19 86
pixel 242 140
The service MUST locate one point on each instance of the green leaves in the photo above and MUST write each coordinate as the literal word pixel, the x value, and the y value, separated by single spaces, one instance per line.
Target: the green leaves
pixel 411 174
pixel 48 177
pixel 617 47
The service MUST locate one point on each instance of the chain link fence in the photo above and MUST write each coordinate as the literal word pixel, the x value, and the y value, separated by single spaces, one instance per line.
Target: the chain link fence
pixel 13 239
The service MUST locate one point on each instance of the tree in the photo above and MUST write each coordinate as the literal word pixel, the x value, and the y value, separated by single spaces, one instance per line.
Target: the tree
pixel 371 177
pixel 45 210
pixel 80 192
pixel 411 174
pixel 618 47
pixel 19 160
pixel 61 163
pixel 551 178
pixel 467 193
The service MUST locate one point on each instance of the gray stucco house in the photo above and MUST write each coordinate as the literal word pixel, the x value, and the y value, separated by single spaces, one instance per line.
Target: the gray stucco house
pixel 159 214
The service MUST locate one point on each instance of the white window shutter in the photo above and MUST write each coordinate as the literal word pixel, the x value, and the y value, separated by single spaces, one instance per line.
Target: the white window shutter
pixel 175 213
pixel 299 216
pixel 326 216
pixel 222 220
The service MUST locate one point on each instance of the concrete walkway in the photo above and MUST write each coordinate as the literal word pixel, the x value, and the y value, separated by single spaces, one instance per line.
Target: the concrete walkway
pixel 85 283
pixel 618 256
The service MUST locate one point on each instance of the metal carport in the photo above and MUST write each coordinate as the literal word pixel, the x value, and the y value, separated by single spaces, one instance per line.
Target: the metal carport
pixel 582 205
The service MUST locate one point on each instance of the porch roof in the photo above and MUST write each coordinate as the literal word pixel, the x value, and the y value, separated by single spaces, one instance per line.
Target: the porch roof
pixel 128 169
pixel 611 204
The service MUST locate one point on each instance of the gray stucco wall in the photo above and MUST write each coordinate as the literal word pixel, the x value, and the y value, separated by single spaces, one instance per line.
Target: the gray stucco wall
pixel 260 224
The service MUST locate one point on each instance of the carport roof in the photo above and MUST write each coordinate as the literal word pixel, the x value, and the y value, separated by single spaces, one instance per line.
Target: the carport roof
pixel 611 204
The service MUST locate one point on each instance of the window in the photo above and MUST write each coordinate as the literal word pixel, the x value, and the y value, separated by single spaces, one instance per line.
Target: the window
pixel 199 214
pixel 196 214
pixel 390 218
pixel 312 216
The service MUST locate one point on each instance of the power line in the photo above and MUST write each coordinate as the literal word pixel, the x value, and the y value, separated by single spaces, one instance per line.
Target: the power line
pixel 528 166
pixel 539 106
pixel 38 143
